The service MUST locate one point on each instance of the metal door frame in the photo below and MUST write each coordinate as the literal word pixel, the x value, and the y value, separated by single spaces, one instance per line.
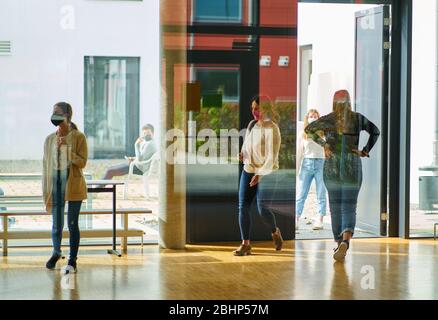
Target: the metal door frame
pixel 399 119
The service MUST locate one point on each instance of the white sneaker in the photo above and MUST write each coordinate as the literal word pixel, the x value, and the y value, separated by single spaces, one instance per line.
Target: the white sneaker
pixel 317 225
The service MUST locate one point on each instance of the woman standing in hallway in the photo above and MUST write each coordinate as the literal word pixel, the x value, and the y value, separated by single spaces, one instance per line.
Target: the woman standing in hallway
pixel 65 155
pixel 311 168
pixel 260 158
pixel 343 164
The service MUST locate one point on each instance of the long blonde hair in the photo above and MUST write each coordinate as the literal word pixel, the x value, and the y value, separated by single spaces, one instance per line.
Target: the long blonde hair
pixel 306 119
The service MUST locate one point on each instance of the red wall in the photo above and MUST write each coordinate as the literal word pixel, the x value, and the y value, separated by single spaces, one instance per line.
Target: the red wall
pixel 278 12
pixel 276 82
pixel 279 82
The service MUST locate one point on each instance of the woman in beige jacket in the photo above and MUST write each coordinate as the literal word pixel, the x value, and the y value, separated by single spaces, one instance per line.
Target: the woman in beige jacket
pixel 65 155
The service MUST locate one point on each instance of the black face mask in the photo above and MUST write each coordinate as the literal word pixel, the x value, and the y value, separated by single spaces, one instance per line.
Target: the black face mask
pixel 148 137
pixel 57 119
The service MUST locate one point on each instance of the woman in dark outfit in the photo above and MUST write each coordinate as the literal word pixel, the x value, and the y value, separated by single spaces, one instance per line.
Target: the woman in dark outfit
pixel 343 165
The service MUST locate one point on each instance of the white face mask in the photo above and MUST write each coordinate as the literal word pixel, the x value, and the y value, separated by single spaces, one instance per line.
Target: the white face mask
pixel 310 120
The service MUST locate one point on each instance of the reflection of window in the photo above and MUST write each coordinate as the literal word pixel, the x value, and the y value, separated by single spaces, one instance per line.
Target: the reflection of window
pixel 305 74
pixel 111 105
pixel 218 10
pixel 224 81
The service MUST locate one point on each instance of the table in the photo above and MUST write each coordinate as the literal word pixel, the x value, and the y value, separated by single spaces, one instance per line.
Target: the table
pixel 98 186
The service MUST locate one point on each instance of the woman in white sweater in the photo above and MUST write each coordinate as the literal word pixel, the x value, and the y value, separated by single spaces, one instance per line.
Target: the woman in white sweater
pixel 260 158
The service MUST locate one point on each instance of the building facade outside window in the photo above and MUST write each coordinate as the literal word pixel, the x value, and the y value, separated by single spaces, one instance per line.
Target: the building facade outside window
pixel 223 81
pixel 218 11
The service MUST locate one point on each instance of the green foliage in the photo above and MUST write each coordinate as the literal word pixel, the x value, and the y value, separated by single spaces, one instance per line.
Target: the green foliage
pixel 227 117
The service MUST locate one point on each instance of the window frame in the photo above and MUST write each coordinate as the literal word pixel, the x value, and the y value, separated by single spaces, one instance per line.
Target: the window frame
pixel 209 19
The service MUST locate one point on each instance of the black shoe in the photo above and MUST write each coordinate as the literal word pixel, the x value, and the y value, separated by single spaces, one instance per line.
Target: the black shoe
pixel 71 266
pixel 51 264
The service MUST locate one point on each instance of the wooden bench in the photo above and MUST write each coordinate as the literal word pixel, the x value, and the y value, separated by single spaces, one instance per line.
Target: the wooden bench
pixel 123 233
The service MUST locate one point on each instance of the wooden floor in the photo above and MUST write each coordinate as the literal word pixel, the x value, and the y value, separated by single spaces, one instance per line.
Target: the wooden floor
pixel 398 269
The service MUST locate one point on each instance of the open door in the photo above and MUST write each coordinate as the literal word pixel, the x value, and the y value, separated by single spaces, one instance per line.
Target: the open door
pixel 371 96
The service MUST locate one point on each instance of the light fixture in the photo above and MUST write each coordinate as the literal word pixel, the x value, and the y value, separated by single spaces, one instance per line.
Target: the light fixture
pixel 283 61
pixel 265 61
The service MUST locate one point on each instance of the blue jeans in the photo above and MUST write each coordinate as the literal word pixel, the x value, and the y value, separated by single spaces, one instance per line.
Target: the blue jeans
pixel 343 180
pixel 246 197
pixel 74 207
pixel 312 169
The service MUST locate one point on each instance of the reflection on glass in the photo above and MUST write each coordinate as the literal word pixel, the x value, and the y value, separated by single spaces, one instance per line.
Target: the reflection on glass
pixel 343 164
pixel 218 10
pixel 110 93
pixel 223 81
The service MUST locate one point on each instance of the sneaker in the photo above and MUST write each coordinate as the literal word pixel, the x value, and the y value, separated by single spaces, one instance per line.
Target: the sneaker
pixel 243 250
pixel 71 266
pixel 308 221
pixel 51 264
pixel 317 225
pixel 278 239
pixel 341 251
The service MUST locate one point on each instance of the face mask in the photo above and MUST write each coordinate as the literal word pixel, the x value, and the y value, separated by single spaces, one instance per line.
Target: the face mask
pixel 256 114
pixel 147 137
pixel 57 119
pixel 310 120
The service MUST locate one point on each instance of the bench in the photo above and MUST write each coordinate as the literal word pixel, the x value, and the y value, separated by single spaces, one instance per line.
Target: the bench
pixel 32 201
pixel 122 233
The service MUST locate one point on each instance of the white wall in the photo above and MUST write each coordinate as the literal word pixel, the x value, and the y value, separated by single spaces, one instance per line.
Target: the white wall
pixel 46 64
pixel 330 28
pixel 323 25
pixel 423 88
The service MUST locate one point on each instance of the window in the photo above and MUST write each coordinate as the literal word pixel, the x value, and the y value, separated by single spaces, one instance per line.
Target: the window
pixel 223 81
pixel 111 105
pixel 218 10
pixel 305 74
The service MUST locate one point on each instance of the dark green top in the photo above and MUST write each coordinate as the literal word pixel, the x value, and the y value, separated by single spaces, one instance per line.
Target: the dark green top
pixel 348 139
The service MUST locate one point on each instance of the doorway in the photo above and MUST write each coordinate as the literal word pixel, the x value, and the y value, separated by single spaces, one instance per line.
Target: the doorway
pixel 228 81
pixel 350 52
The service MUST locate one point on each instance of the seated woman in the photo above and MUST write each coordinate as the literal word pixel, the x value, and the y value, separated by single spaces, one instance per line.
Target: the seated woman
pixel 145 148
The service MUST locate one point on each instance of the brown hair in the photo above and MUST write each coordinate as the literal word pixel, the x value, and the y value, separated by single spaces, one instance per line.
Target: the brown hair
pixel 342 108
pixel 148 126
pixel 266 106
pixel 68 112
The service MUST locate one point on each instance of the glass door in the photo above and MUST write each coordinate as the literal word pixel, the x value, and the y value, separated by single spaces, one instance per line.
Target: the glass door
pixel 371 96
pixel 228 81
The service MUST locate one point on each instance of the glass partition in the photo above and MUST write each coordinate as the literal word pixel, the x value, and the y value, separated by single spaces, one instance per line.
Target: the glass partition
pixel 107 73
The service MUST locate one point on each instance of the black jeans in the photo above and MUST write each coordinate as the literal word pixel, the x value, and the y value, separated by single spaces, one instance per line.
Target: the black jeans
pixel 246 197
pixel 74 207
